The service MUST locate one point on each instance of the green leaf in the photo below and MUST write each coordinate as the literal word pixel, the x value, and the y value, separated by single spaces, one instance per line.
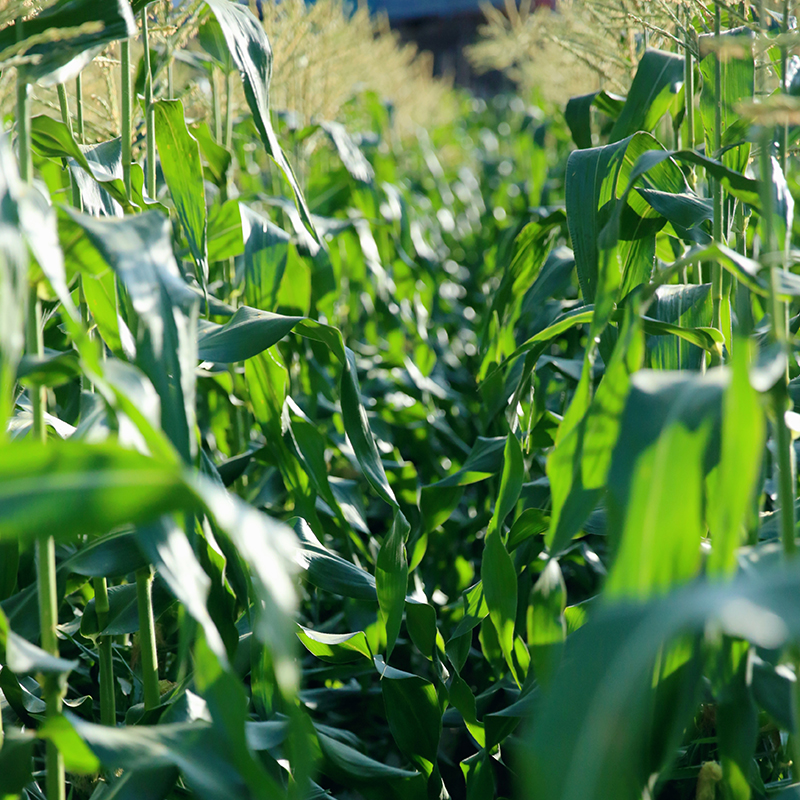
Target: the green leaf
pixel 578 114
pixel 528 524
pixel 218 159
pixel 684 307
pixel 225 232
pixel 227 703
pixel 13 279
pixel 733 484
pixel 510 484
pixel 212 40
pixel 111 556
pixel 669 421
pixel 52 369
pixel 391 579
pixel 344 761
pixel 179 155
pixel 71 489
pixel 56 57
pixel 602 700
pixel 737 86
pixel 252 54
pixel 538 342
pixel 329 571
pixel 96 168
pixel 78 758
pixel 16 762
pixel 248 333
pixel 596 184
pixel 546 625
pixel 737 721
pixel 412 711
pixel 354 160
pixel 194 747
pixel 169 551
pixel 498 574
pixel 656 88
pixel 530 250
pixel 553 278
pixel 266 252
pixel 139 250
pixel 123 614
pixel 24 658
pixel 335 648
pixel 269 549
pixel 251 331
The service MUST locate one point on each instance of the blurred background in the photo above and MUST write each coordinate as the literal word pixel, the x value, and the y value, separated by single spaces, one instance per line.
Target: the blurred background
pixel 422 57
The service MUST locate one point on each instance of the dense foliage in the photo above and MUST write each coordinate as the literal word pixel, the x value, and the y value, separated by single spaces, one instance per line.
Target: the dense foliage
pixel 394 468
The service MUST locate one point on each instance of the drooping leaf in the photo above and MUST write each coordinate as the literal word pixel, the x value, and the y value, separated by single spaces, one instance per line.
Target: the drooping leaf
pixel 252 54
pixel 336 648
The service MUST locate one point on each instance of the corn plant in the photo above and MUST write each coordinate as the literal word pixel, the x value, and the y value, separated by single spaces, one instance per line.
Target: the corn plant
pixel 340 463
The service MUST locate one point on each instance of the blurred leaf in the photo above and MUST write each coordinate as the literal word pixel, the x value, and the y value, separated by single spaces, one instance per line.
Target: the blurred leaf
pixel 78 758
pixel 545 620
pixel 602 697
pixel 24 658
pixel 662 453
pixel 733 484
pixel 354 160
pixel 498 574
pixel 73 489
pixel 57 59
pixel 13 279
pixel 227 702
pixel 169 551
pixel 16 762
